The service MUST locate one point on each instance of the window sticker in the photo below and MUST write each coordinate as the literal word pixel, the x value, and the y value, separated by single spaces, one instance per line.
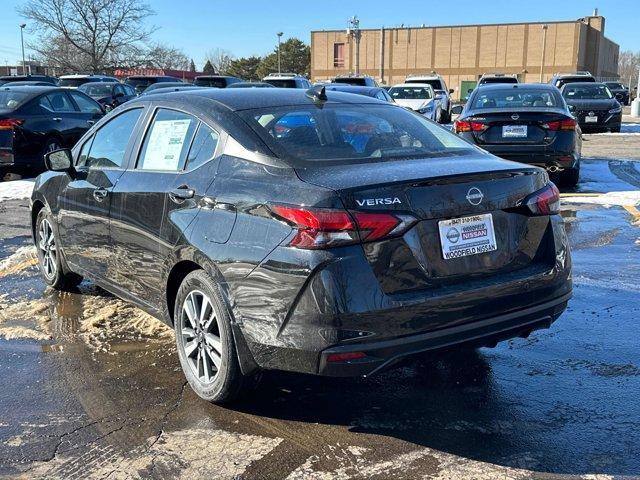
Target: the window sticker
pixel 165 144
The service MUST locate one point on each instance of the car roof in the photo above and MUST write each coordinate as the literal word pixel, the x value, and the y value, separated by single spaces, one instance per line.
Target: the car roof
pixel 34 89
pixel 583 84
pixel 359 89
pixel 413 85
pixel 141 77
pixel 84 76
pixel 206 77
pixel 93 84
pixel 516 86
pixel 237 99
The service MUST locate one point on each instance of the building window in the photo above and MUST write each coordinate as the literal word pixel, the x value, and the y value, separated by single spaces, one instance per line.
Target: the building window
pixel 338 55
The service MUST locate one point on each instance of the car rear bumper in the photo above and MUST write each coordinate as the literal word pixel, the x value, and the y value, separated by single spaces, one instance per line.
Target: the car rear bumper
pixel 380 355
pixel 547 161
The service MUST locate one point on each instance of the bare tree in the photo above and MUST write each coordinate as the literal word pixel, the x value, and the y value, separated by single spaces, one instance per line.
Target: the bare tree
pixel 166 57
pixel 220 60
pixel 89 35
pixel 628 64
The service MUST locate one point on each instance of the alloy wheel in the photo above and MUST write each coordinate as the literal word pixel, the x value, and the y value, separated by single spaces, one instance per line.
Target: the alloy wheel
pixel 48 249
pixel 200 330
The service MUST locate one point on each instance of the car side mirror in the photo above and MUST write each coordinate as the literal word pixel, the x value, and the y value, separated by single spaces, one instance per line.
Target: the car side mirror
pixel 456 110
pixel 59 160
pixel 451 90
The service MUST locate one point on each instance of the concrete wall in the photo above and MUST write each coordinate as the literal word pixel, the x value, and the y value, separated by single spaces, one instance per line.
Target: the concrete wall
pixel 466 52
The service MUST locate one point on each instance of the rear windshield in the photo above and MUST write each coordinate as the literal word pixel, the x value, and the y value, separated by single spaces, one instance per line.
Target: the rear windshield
pixel 565 80
pixel 12 100
pixel 96 90
pixel 75 82
pixel 282 83
pixel 498 80
pixel 587 92
pixel 341 132
pixel 140 84
pixel 358 82
pixel 211 82
pixel 511 97
pixel 435 83
pixel 410 93
pixel 615 86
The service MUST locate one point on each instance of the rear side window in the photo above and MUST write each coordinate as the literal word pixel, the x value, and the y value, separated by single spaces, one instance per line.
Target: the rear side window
pixel 338 132
pixel 110 142
pixel 86 105
pixel 57 102
pixel 203 147
pixel 167 141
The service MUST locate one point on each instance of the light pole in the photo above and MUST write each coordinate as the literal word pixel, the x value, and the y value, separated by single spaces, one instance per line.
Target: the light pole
pixel 24 65
pixel 354 31
pixel 279 34
pixel 544 47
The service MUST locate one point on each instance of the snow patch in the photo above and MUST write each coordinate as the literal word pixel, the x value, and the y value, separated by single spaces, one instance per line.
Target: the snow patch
pixel 607 199
pixel 16 189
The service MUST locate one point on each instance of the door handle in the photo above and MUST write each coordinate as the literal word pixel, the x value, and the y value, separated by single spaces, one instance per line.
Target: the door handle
pixel 182 193
pixel 56 119
pixel 100 194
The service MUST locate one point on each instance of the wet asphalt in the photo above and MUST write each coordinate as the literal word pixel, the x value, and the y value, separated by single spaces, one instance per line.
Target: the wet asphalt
pixel 563 402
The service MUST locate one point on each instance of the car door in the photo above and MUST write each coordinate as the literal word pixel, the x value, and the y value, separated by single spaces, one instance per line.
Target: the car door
pixel 87 199
pixel 140 199
pixel 86 114
pixel 61 112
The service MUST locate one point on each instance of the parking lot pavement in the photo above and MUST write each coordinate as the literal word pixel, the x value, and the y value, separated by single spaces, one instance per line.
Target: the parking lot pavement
pixel 91 387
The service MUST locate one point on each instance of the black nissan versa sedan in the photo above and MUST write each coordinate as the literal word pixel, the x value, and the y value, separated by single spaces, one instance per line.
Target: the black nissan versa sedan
pixel 310 231
pixel 39 119
pixel 528 123
pixel 594 106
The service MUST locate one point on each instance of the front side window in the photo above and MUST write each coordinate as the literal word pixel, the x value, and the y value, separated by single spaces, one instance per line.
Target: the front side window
pixel 167 141
pixel 85 104
pixel 110 142
pixel 370 132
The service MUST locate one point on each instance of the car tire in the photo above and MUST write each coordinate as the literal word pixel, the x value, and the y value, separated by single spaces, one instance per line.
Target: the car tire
pixel 615 129
pixel 570 177
pixel 204 340
pixel 53 268
pixel 446 117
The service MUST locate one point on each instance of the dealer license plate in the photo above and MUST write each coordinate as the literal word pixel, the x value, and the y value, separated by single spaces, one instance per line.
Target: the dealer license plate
pixel 461 237
pixel 514 131
pixel 591 119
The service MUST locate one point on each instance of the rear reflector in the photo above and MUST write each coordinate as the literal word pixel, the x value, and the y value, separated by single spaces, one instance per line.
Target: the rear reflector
pixel 323 227
pixel 343 357
pixel 466 126
pixel 10 123
pixel 568 124
pixel 545 201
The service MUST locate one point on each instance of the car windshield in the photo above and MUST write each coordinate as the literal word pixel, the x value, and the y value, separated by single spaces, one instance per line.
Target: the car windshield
pixel 410 93
pixel 498 80
pixel 615 86
pixel 74 82
pixel 346 132
pixel 587 92
pixel 358 82
pixel 211 82
pixel 435 83
pixel 282 83
pixel 511 97
pixel 96 90
pixel 12 100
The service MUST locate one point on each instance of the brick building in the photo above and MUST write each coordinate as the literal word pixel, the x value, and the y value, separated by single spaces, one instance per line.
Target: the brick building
pixel 461 54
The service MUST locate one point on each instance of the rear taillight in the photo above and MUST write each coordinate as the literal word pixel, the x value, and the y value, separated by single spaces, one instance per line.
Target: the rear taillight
pixel 467 126
pixel 10 123
pixel 568 124
pixel 324 228
pixel 545 201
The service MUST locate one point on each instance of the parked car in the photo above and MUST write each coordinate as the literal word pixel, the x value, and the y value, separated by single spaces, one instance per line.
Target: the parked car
pixel 301 252
pixel 619 91
pixel 162 85
pixel 74 81
pixel 35 120
pixel 594 106
pixel 218 81
pixel 141 82
pixel 28 78
pixel 437 83
pixel 418 97
pixel 251 85
pixel 497 78
pixel 32 83
pixel 355 80
pixel 108 94
pixel 287 80
pixel 374 92
pixel 561 79
pixel 526 122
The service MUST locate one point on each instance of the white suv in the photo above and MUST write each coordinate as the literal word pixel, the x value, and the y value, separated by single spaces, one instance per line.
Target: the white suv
pixel 287 80
pixel 443 94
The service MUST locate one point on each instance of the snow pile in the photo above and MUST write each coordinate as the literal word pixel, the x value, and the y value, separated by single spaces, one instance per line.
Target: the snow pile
pixel 16 189
pixel 621 199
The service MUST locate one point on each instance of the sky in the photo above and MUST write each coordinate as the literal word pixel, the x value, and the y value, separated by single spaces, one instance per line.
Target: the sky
pixel 248 27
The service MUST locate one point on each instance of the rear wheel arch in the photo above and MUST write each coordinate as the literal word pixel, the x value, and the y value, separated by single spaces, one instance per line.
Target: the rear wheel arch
pixel 35 210
pixel 177 274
